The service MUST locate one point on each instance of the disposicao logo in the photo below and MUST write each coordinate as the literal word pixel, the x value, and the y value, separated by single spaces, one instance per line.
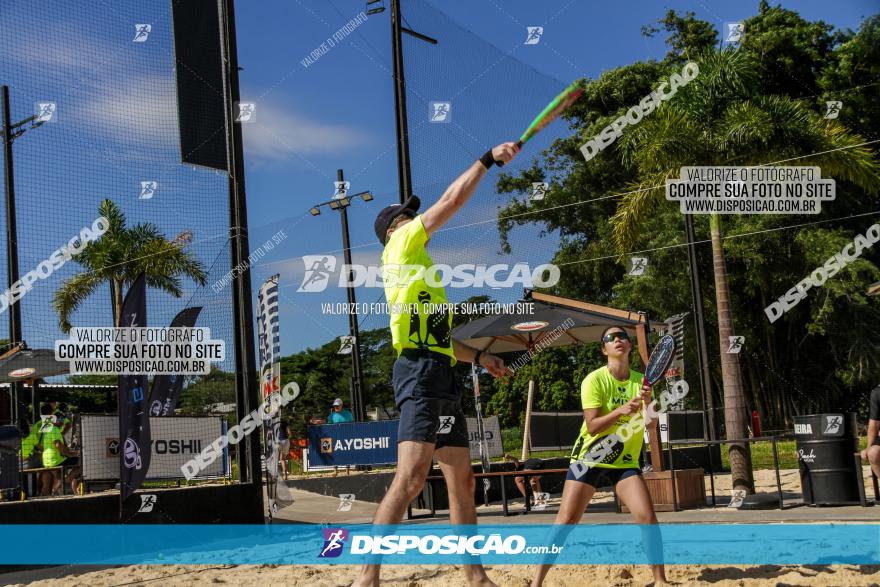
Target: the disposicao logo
pixel 319 270
pixel 444 545
pixel 334 541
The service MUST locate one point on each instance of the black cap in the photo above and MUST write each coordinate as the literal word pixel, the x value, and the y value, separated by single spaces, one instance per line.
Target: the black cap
pixel 389 213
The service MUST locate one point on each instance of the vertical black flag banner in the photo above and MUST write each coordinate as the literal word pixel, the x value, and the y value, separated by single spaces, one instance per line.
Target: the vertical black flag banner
pixel 134 421
pixel 269 347
pixel 165 392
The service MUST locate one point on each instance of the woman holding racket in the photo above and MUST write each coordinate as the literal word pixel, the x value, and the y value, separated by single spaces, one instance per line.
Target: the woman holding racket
pixel 607 450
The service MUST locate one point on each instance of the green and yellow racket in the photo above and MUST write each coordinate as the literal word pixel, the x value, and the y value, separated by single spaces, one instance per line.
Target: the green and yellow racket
pixel 556 107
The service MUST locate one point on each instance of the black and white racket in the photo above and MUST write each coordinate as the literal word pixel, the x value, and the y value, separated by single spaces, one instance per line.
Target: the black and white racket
pixel 658 363
pixel 660 359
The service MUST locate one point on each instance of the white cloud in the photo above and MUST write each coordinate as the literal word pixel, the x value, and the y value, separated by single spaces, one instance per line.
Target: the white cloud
pixel 60 46
pixel 279 135
pixel 101 93
pixel 133 110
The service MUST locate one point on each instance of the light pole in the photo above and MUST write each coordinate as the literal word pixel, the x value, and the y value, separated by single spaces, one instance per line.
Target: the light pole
pixel 700 331
pixel 357 379
pixel 10 133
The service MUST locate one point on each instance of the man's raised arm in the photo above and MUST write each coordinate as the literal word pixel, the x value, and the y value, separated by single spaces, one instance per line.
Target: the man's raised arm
pixel 461 190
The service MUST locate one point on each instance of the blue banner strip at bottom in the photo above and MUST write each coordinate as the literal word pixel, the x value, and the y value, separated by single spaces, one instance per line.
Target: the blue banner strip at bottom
pixel 295 544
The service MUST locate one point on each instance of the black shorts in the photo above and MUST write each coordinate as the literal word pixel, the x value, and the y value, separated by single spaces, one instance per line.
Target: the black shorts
pixel 428 399
pixel 602 476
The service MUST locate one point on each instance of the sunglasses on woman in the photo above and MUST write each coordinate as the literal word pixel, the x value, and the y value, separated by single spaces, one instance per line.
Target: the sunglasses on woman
pixel 612 336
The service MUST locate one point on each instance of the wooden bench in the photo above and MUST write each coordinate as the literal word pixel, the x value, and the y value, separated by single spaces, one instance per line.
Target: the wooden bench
pixel 62 468
pixel 431 479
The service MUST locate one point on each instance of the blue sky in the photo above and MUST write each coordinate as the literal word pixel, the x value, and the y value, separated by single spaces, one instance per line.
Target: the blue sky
pixel 117 126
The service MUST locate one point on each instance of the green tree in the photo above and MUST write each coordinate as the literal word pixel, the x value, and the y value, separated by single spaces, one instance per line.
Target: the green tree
pixel 852 76
pixel 118 257
pixel 201 393
pixel 687 35
pixel 323 375
pixel 720 118
pixel 557 373
pixel 823 355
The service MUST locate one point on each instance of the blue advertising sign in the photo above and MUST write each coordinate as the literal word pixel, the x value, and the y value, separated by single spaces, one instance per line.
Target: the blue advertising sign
pixel 353 443
pixel 444 544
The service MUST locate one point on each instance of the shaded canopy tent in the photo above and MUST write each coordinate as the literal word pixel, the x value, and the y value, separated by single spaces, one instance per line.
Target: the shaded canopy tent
pixel 557 322
pixel 102 394
pixel 23 364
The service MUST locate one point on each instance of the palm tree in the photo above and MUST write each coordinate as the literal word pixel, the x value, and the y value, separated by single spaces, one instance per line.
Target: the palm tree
pixel 118 257
pixel 720 118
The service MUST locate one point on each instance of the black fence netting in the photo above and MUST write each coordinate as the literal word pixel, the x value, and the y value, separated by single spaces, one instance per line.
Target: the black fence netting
pixel 465 95
pixel 101 79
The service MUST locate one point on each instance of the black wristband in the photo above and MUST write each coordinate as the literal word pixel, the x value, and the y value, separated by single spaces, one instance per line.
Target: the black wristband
pixel 477 357
pixel 487 159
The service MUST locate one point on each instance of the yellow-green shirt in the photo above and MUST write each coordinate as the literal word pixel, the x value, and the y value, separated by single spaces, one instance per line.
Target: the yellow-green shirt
pixel 601 390
pixel 52 457
pixel 29 442
pixel 429 328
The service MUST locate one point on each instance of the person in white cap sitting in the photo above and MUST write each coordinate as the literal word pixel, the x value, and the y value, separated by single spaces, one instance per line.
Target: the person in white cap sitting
pixel 340 415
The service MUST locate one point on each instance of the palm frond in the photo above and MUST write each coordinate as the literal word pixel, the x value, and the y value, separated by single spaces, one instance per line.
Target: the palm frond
pixel 159 257
pixel 113 213
pixel 662 142
pixel 120 255
pixel 166 283
pixel 636 207
pixel 842 159
pixel 724 77
pixel 71 294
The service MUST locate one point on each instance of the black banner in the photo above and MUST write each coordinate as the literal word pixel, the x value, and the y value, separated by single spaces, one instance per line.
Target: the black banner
pixel 201 109
pixel 165 392
pixel 134 421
